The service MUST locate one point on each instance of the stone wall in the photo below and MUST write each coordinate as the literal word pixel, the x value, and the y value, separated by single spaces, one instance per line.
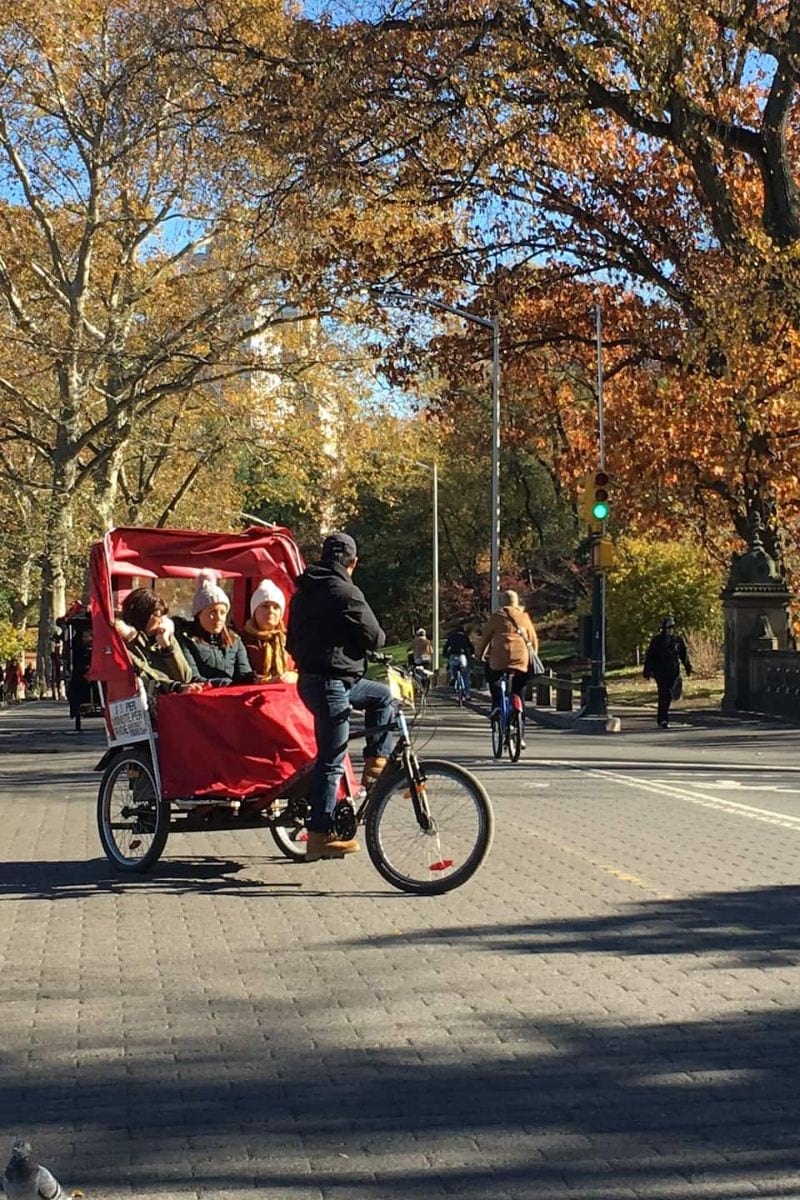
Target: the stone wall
pixel 775 682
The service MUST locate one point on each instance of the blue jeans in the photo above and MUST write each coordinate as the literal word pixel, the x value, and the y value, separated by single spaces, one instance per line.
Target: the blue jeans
pixel 330 701
pixel 455 668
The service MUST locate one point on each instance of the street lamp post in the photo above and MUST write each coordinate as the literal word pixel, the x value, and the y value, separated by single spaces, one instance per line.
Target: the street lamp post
pixel 433 469
pixel 435 481
pixel 492 323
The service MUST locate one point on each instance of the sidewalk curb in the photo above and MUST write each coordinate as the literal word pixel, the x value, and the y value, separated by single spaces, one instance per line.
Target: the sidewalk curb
pixel 574 722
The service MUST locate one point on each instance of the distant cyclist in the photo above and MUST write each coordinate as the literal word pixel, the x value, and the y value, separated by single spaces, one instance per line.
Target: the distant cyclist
pixel 422 650
pixel 504 642
pixel 458 650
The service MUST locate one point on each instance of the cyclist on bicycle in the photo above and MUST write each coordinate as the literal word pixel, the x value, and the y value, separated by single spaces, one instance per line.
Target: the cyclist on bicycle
pixel 422 650
pixel 504 643
pixel 331 628
pixel 458 644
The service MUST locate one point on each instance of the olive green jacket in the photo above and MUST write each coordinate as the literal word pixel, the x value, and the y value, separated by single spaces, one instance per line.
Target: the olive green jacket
pixel 160 670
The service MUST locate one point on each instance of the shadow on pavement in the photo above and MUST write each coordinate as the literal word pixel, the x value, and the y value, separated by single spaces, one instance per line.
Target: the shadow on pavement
pixel 663 1110
pixel 78 880
pixel 758 927
pixel 206 875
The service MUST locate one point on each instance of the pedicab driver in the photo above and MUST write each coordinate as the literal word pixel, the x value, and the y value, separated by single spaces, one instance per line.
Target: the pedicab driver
pixel 331 628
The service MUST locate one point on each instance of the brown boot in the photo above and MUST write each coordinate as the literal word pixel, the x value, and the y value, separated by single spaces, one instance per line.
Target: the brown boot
pixel 372 770
pixel 328 845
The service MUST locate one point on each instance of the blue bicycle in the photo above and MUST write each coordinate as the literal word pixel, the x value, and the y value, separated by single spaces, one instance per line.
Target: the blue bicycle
pixel 508 722
pixel 458 668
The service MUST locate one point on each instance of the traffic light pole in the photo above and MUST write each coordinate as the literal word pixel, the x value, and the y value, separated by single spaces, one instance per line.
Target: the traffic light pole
pixel 596 704
pixel 596 697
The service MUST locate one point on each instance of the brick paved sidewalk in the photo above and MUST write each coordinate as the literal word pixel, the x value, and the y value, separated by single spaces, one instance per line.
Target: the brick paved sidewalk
pixel 601 1013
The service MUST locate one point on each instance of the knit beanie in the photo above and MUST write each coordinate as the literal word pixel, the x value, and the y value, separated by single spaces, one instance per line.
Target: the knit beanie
pixel 267 592
pixel 208 592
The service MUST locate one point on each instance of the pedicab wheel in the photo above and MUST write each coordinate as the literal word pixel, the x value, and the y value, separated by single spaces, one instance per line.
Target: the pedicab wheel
pixel 497 736
pixel 515 735
pixel 288 830
pixel 132 819
pixel 442 849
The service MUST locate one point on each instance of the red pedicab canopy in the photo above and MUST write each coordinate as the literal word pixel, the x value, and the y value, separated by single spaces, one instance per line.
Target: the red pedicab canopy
pixel 256 553
pixel 241 741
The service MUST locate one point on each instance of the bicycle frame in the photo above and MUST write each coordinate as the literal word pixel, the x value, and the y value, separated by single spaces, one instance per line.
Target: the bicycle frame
pixel 402 755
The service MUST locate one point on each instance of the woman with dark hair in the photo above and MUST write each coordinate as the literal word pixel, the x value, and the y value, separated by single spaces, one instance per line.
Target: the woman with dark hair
pixel 149 635
pixel 214 652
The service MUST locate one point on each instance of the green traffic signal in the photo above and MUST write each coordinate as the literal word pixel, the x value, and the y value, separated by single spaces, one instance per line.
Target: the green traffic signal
pixel 600 505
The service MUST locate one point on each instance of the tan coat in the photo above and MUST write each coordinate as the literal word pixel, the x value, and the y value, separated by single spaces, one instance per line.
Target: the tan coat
pixel 508 650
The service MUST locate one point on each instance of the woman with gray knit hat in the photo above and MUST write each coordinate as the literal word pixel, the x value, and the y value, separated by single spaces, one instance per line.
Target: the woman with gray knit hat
pixel 213 651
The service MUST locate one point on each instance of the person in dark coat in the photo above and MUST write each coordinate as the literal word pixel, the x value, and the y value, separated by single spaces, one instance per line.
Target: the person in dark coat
pixel 331 628
pixel 212 650
pixel 458 643
pixel 666 652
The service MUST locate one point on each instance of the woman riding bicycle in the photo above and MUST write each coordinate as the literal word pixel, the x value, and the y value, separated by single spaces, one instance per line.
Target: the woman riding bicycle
pixel 504 643
pixel 458 650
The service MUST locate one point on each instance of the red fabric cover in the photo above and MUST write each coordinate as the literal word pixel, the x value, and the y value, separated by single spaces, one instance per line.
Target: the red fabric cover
pixel 111 663
pixel 234 741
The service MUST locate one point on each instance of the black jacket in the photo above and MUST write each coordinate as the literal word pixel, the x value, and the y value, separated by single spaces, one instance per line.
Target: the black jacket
pixel 331 626
pixel 664 656
pixel 458 643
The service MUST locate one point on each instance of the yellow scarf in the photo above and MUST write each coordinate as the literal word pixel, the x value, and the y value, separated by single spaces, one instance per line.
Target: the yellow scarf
pixel 272 644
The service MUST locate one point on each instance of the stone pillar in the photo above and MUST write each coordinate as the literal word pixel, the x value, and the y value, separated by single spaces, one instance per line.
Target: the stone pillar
pixel 755 593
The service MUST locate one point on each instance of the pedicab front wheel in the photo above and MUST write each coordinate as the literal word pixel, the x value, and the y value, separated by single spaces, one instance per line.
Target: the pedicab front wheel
pixel 441 846
pixel 132 819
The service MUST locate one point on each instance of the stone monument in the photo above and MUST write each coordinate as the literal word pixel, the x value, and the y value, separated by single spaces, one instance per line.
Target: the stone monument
pixel 756 605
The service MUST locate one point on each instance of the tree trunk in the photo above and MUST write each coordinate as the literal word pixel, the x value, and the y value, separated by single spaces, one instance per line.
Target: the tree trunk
pixel 20 602
pixel 58 534
pixel 107 489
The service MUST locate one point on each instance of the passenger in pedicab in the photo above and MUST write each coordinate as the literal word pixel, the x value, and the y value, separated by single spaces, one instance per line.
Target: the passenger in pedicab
pixel 264 635
pixel 149 636
pixel 214 652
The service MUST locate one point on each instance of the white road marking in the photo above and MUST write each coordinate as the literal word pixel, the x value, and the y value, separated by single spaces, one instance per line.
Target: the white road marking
pixel 659 788
pixel 731 785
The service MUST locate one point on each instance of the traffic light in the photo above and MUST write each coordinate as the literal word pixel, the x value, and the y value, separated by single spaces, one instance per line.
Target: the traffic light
pixel 593 500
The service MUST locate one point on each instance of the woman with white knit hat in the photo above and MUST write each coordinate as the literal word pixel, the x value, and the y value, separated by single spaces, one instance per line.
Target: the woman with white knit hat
pixel 264 634
pixel 214 651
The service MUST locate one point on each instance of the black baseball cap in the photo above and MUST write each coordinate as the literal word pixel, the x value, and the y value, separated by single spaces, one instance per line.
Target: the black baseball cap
pixel 338 547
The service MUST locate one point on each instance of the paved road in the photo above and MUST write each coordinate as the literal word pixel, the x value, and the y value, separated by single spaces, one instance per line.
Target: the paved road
pixel 608 1010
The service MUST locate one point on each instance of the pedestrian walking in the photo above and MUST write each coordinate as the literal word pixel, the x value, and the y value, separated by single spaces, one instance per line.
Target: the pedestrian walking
pixel 666 652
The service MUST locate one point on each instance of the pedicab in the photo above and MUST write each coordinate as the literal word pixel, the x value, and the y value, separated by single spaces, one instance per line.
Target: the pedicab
pixel 242 757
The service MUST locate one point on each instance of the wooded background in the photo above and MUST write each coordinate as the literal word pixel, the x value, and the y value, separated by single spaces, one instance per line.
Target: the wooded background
pixel 203 207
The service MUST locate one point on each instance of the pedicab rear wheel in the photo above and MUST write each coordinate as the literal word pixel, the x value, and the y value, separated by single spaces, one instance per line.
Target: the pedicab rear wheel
pixel 132 819
pixel 288 829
